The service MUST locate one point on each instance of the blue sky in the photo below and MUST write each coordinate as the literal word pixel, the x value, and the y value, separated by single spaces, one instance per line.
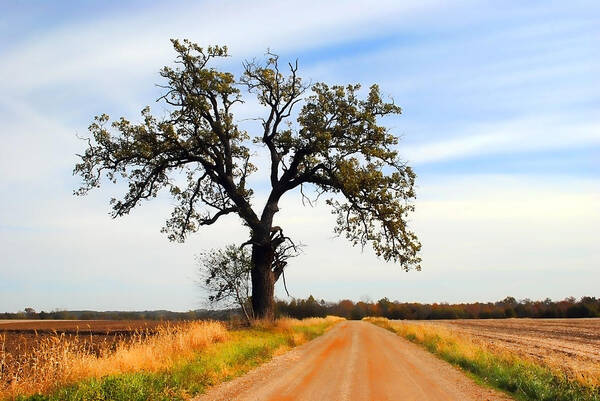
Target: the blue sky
pixel 500 121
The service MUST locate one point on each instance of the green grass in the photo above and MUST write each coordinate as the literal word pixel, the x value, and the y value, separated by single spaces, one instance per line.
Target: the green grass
pixel 244 350
pixel 524 380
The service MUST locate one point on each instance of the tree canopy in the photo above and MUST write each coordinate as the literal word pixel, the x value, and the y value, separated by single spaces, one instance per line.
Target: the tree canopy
pixel 333 143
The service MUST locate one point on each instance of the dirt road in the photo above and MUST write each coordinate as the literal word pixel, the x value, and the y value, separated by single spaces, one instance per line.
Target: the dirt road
pixel 354 361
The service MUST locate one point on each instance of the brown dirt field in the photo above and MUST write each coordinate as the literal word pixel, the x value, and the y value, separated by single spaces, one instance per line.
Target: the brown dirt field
pixel 18 337
pixel 570 345
pixel 81 326
pixel 357 361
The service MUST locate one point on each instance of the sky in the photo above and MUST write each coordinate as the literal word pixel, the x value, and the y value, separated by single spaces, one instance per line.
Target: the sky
pixel 500 122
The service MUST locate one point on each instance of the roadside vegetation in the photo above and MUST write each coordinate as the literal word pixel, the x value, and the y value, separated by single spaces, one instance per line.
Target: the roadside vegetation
pixel 175 363
pixel 519 376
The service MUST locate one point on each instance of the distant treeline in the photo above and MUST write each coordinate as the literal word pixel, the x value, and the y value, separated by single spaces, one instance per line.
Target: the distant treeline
pixel 507 308
pixel 310 307
pixel 200 314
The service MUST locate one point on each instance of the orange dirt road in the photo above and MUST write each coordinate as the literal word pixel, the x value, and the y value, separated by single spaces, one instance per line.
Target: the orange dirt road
pixel 354 361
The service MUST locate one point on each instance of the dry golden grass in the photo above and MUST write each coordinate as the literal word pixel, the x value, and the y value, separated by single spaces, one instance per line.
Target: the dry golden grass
pixel 286 325
pixel 59 360
pixel 287 322
pixel 448 341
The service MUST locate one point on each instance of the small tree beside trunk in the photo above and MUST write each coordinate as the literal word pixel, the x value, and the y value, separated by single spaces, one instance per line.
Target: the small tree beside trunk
pixel 225 276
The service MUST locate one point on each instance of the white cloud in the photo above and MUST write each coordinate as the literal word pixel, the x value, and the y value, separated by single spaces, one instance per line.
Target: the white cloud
pixel 500 222
pixel 530 227
pixel 506 137
pixel 136 46
pixel 34 146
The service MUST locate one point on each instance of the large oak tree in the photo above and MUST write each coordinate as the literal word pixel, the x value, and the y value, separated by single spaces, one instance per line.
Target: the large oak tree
pixel 332 142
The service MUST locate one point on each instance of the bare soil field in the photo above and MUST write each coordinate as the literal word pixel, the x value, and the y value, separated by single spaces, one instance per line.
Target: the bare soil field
pixel 81 326
pixel 571 345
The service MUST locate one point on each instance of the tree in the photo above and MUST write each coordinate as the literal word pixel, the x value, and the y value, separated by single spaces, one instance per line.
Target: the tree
pixel 30 312
pixel 334 146
pixel 225 274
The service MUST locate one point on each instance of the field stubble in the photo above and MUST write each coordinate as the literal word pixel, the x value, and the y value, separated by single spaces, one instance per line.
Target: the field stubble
pixel 18 337
pixel 570 346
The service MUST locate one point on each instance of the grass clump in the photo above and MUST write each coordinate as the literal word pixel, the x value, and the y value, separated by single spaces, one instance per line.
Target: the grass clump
pixel 233 354
pixel 524 379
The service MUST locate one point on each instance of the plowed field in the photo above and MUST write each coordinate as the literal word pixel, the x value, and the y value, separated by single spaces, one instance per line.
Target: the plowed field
pixel 571 345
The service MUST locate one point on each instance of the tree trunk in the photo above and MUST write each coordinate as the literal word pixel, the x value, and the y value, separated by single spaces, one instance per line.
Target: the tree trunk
pixel 263 282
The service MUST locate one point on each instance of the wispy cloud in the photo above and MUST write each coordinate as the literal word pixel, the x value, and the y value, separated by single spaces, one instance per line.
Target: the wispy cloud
pixel 34 147
pixel 507 137
pixel 135 45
